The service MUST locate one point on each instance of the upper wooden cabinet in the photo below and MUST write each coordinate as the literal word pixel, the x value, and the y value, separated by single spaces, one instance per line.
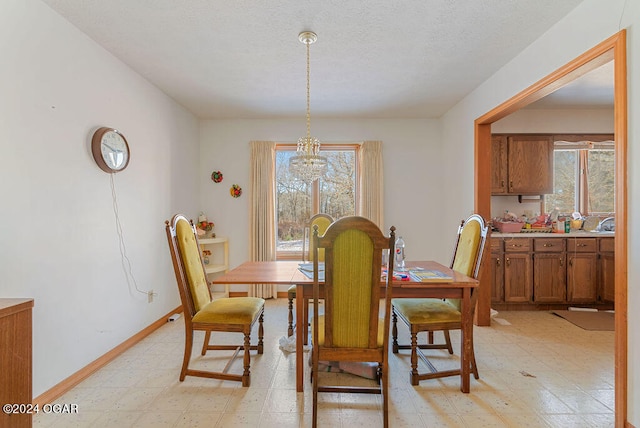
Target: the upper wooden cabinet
pixel 521 164
pixel 498 164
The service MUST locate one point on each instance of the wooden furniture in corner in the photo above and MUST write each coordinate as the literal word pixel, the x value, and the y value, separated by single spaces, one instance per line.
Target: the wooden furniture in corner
pixel 15 359
pixel 218 263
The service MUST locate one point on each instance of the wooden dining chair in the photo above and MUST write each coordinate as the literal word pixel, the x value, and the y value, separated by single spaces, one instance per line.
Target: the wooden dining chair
pixel 229 314
pixel 351 329
pixel 430 315
pixel 322 221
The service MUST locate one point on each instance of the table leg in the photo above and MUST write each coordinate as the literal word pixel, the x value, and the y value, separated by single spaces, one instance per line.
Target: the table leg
pixel 300 330
pixel 465 354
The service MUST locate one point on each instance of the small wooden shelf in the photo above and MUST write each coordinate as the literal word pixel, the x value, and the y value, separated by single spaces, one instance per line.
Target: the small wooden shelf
pixel 219 260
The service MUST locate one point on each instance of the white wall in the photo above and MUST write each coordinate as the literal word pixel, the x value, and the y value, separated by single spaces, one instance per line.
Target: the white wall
pixel 59 243
pixel 412 176
pixel 589 24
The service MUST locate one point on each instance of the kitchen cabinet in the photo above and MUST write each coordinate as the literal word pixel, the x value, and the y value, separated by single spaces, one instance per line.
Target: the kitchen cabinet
pixel 549 270
pixel 215 254
pixel 582 270
pixel 543 272
pixel 497 270
pixel 498 164
pixel 521 164
pixel 517 270
pixel 606 269
pixel 15 359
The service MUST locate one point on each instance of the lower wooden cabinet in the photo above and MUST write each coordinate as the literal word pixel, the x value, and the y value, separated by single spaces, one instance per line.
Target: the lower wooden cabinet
pixel 549 270
pixel 606 270
pixel 497 276
pixel 15 359
pixel 582 270
pixel 552 271
pixel 549 278
pixel 517 270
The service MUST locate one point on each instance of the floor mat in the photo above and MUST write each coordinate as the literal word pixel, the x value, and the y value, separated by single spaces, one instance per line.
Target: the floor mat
pixel 588 320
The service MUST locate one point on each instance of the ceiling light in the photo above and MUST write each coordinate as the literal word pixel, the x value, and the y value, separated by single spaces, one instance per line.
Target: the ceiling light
pixel 307 165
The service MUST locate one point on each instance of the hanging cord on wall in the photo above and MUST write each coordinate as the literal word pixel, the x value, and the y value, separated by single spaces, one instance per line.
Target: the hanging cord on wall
pixel 624 6
pixel 126 263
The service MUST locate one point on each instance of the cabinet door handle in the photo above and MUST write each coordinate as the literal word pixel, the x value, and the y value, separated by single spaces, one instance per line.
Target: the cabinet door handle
pixel 508 261
pixel 547 245
pixel 570 262
pixel 502 183
pixel 516 245
pixel 498 261
pixel 561 262
pixel 581 245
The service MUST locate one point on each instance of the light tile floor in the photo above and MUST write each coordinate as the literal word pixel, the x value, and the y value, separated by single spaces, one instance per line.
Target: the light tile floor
pixel 536 370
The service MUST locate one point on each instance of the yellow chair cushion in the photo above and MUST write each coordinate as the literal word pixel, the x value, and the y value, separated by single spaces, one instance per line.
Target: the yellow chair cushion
pixel 291 292
pixel 230 310
pixel 321 331
pixel 426 311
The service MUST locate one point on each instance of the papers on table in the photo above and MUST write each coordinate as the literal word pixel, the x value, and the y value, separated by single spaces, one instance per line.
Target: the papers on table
pixel 307 270
pixel 429 275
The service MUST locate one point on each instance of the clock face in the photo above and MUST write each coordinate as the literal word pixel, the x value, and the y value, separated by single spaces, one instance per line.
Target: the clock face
pixel 110 150
pixel 114 150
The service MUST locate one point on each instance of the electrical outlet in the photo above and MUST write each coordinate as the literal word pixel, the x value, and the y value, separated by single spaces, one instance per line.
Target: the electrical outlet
pixel 150 295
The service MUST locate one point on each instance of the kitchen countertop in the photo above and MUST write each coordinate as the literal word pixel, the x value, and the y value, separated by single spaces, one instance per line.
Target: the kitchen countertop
pixel 572 234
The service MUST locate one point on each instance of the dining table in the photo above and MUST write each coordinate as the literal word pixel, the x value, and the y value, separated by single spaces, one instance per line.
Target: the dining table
pixel 289 272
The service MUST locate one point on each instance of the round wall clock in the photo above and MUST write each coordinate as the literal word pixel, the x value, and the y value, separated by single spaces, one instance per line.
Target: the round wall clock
pixel 110 149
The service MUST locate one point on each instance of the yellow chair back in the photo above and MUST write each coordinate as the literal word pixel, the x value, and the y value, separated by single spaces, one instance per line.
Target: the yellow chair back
pixel 322 221
pixel 192 263
pixel 467 256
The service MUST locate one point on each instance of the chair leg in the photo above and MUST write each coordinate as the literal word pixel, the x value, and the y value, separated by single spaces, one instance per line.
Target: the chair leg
pixel 314 381
pixel 290 329
pixel 474 367
pixel 260 333
pixel 447 339
pixel 414 359
pixel 385 396
pixel 394 331
pixel 188 343
pixel 305 317
pixel 205 344
pixel 246 379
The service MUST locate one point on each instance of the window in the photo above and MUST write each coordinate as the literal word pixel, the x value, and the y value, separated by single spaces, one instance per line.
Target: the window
pixel 584 177
pixel 296 201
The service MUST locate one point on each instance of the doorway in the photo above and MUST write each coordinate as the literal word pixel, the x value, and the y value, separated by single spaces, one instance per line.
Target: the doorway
pixel 612 49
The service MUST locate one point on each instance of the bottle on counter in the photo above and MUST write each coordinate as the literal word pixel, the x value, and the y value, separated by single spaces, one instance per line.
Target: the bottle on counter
pixel 400 254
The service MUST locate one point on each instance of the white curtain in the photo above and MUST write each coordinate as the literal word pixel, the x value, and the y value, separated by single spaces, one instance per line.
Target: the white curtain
pixel 262 218
pixel 371 182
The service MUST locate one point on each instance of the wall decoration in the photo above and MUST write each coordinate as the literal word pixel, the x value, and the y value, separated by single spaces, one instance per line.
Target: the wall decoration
pixel 235 191
pixel 216 176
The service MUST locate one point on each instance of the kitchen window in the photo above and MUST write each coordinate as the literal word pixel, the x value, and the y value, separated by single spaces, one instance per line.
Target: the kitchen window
pixel 584 178
pixel 335 194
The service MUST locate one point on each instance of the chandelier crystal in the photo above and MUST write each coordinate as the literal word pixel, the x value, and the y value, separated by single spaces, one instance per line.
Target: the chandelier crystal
pixel 307 164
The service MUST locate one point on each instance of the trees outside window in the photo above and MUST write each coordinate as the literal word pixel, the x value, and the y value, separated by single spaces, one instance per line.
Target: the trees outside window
pixel 583 181
pixel 296 201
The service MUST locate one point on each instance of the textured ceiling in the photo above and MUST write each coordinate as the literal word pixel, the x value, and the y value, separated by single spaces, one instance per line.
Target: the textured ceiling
pixel 374 58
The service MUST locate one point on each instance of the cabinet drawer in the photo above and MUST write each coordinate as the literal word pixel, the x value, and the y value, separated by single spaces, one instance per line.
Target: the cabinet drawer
pixel 517 245
pixel 546 245
pixel 581 245
pixel 607 245
pixel 496 245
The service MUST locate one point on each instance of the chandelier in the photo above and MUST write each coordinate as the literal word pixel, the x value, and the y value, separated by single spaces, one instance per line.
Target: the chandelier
pixel 307 164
